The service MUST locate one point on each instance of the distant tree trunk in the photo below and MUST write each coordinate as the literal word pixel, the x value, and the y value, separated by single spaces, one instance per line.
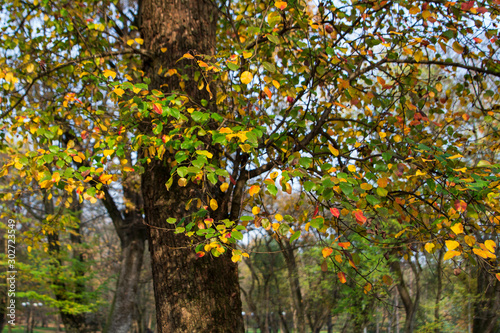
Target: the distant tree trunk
pixel 295 290
pixel 126 291
pixel 487 306
pixel 192 295
pixel 131 230
pixel 409 304
pixel 439 272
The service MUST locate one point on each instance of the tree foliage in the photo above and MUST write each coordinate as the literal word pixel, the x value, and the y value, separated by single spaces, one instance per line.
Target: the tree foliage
pixel 382 115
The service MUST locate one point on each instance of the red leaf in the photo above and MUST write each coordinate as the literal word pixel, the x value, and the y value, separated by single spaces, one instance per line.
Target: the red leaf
pixel 232 180
pixel 341 276
pixel 477 40
pixel 200 254
pixel 84 135
pixel 467 5
pixel 157 109
pixel 481 10
pixel 460 206
pixel 335 212
pixel 315 210
pixel 360 218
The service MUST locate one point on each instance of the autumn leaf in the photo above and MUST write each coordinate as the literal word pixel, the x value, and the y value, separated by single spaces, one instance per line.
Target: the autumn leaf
pixel 360 218
pixel 246 77
pixel 280 4
pixel 254 189
pixel 213 204
pixel 429 247
pixel 490 245
pixel 451 244
pixel 460 206
pixel 224 187
pixel 344 245
pixel 326 251
pixel 255 210
pixel 458 228
pixel 470 240
pixel 335 212
pixel 341 277
pixel 451 254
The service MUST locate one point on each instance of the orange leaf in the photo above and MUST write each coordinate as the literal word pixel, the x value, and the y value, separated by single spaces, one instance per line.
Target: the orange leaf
pixel 345 245
pixel 326 251
pixel 254 189
pixel 360 218
pixel 268 92
pixel 335 212
pixel 341 276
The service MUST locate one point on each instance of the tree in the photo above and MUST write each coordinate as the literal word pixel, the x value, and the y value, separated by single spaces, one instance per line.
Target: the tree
pixel 374 117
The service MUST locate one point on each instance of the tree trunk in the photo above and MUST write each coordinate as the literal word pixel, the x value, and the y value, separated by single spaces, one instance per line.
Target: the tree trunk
pixel 439 291
pixel 191 294
pixel 295 290
pixel 126 291
pixel 487 306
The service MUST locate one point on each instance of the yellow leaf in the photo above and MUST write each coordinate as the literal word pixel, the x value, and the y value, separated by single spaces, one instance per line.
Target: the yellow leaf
pixel 139 41
pixel 255 210
pixel 332 149
pixel 458 228
pixel 382 135
pixel 224 187
pixel 338 258
pixel 429 247
pixel 77 159
pixel 236 258
pixel 247 54
pixel 414 10
pixel 278 217
pixel 397 138
pixel 276 84
pixel 163 49
pixel 204 153
pixel 470 240
pixel 450 254
pixel 276 226
pixel 182 182
pixel 30 68
pixel 108 152
pixel 484 254
pixel 29 248
pixel 366 186
pixel 455 156
pixel 187 56
pixel 213 204
pixel 351 168
pixel 119 91
pixel 326 251
pixel 245 147
pixel 108 72
pixel 254 189
pixel 130 42
pixel 451 244
pixel 246 77
pixel 490 245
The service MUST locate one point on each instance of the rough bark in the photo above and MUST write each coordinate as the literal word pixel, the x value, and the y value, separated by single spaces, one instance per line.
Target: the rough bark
pixel 192 295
